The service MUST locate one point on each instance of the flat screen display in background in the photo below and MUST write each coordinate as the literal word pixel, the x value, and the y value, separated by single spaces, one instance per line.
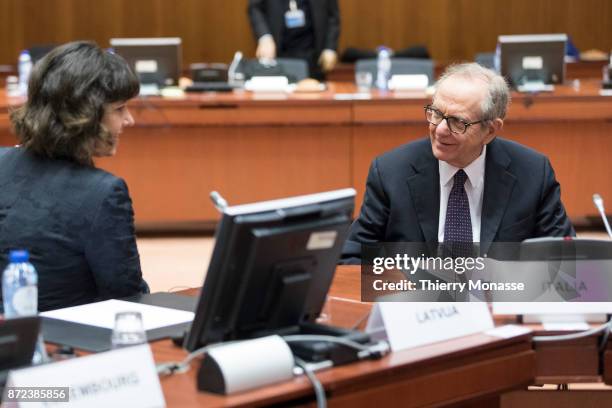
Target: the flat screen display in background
pixel 533 58
pixel 155 60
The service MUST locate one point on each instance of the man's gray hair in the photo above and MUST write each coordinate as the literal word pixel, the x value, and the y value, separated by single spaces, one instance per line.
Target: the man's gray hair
pixel 496 103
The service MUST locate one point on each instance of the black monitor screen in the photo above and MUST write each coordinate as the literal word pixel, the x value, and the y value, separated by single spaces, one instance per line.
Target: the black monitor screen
pixel 155 60
pixel 17 342
pixel 533 58
pixel 272 266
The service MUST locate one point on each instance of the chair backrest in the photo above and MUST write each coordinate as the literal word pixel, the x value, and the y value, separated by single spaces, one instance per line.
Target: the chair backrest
pixel 208 72
pixel 294 66
pixel 294 69
pixel 486 59
pixel 399 66
pixel 39 51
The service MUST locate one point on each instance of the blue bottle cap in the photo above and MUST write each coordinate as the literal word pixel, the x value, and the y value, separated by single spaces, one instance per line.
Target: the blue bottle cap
pixel 19 255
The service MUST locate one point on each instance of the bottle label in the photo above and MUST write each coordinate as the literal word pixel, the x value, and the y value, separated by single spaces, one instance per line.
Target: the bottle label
pixel 25 301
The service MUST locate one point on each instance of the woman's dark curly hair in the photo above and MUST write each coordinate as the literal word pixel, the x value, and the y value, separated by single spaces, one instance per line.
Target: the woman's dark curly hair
pixel 67 93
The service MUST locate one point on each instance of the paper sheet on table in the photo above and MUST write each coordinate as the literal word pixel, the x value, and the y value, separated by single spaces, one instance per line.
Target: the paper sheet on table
pixel 565 326
pixel 102 314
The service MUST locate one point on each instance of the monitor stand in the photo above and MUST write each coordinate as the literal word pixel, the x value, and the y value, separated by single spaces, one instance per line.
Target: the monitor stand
pixel 319 351
pixel 315 351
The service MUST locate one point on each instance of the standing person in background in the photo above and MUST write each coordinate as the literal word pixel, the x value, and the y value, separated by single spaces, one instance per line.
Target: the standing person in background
pixel 76 220
pixel 305 29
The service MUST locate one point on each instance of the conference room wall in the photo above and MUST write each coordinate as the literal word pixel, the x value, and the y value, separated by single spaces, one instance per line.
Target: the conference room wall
pixel 213 29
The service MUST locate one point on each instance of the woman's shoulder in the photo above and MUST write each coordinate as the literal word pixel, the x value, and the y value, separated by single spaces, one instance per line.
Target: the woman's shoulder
pixel 4 151
pixel 57 174
pixel 98 180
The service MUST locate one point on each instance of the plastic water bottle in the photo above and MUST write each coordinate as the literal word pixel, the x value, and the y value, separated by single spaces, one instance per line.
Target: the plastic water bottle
pixel 383 66
pixel 20 293
pixel 24 69
pixel 497 59
pixel 20 286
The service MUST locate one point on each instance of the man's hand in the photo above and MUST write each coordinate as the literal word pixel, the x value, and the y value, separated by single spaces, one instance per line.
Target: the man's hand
pixel 328 60
pixel 266 48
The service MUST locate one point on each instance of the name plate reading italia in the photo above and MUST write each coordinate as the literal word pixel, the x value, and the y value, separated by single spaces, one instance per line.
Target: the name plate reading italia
pixel 547 270
pixel 412 324
pixel 118 378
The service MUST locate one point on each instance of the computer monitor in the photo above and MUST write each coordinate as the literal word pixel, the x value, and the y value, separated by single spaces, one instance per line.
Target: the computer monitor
pixel 17 343
pixel 534 58
pixel 571 278
pixel 155 60
pixel 272 266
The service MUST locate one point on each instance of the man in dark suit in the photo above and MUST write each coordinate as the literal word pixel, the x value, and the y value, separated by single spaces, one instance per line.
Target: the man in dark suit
pixel 462 184
pixel 305 29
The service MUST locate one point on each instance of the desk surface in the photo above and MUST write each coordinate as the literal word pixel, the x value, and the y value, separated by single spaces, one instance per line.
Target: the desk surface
pixel 457 370
pixel 335 94
pixel 442 373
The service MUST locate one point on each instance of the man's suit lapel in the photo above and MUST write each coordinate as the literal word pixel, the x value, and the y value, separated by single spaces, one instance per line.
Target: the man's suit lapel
pixel 499 183
pixel 424 187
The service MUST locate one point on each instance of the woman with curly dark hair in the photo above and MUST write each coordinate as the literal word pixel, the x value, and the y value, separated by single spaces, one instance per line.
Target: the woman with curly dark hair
pixel 76 220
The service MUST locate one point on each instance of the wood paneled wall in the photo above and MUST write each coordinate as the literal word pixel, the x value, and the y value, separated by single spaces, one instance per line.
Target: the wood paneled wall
pixel 213 29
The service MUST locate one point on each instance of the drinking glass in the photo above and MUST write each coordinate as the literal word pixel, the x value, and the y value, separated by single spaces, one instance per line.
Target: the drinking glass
pixel 128 330
pixel 363 79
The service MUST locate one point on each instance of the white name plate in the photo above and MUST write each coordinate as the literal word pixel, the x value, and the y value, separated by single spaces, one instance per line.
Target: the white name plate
pixel 118 378
pixel 418 82
pixel 267 84
pixel 413 324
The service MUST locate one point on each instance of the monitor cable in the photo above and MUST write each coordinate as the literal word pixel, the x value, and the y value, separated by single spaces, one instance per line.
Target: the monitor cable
pixel 316 384
pixel 373 351
pixel 376 350
pixel 171 367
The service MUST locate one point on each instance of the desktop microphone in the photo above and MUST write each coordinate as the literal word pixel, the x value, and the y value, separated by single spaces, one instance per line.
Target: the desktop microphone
pixel 218 201
pixel 598 201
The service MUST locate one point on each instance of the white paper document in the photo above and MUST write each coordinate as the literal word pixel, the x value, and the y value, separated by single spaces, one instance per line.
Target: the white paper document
pixel 102 314
pixel 120 378
pixel 508 331
pixel 567 326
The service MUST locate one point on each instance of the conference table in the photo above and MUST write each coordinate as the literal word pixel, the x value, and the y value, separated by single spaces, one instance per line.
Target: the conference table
pixel 472 371
pixel 258 146
pixel 469 371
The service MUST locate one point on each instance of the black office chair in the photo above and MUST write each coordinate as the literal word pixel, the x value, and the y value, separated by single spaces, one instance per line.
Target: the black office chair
pixel 39 51
pixel 399 66
pixel 294 69
pixel 208 72
pixel 486 59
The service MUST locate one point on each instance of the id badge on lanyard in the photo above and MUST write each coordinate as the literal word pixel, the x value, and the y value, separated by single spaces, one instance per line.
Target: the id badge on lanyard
pixel 294 17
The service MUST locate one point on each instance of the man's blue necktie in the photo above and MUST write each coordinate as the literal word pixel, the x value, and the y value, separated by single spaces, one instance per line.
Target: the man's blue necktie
pixel 458 225
pixel 458 229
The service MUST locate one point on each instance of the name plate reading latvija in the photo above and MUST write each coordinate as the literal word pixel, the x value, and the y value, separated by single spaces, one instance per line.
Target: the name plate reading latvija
pixel 413 324
pixel 118 378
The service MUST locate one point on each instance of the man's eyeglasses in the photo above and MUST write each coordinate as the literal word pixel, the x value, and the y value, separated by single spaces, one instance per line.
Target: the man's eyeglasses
pixel 456 125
